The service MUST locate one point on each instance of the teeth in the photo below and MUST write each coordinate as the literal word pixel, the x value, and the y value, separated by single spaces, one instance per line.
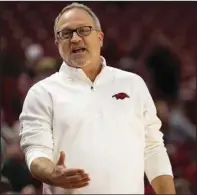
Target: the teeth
pixel 78 50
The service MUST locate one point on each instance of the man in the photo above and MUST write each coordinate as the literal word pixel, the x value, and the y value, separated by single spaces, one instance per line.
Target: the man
pixel 91 128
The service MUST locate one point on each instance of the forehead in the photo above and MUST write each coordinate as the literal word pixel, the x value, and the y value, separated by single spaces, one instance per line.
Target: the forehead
pixel 74 18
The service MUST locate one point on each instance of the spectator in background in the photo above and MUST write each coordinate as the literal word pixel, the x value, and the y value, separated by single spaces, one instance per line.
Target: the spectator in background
pixel 13 160
pixel 5 185
pixel 175 108
pixel 41 68
pixel 183 122
pixel 33 54
pixel 182 186
pixel 164 68
pixel 2 152
pixel 45 67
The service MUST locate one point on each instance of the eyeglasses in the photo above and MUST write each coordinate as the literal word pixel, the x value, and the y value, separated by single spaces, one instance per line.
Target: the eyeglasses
pixel 81 31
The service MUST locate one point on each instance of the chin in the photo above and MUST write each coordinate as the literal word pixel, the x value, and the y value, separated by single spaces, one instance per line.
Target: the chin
pixel 80 63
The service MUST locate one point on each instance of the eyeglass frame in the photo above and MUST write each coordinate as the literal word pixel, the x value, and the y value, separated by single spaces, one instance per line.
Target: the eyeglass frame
pixel 75 30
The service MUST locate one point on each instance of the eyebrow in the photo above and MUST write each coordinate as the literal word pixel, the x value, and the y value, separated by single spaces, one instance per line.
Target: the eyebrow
pixel 67 28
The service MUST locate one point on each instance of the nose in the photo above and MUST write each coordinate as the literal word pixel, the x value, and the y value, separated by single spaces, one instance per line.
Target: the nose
pixel 75 38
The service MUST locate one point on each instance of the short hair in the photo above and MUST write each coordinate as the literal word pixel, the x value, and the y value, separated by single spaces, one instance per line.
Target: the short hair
pixel 78 6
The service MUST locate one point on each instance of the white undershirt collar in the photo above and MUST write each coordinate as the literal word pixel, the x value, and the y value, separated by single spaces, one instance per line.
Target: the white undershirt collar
pixel 78 74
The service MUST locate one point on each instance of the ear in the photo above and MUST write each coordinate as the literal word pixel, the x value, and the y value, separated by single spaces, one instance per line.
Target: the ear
pixel 56 42
pixel 101 37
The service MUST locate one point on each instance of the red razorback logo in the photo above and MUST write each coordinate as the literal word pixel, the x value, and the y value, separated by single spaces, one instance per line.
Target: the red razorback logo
pixel 120 96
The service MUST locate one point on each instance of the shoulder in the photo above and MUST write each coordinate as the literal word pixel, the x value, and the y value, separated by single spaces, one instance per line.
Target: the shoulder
pixel 127 76
pixel 44 86
pixel 41 91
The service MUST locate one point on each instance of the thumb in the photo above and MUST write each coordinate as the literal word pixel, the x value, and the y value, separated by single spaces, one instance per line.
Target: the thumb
pixel 61 158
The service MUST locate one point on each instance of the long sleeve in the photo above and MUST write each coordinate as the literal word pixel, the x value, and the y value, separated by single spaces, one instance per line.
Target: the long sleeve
pixel 36 125
pixel 157 162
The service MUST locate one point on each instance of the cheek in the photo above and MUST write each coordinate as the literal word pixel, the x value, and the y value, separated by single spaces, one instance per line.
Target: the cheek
pixel 63 49
pixel 95 45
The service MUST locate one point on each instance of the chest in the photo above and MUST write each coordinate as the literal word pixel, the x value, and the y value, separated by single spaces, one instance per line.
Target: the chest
pixel 77 104
pixel 104 118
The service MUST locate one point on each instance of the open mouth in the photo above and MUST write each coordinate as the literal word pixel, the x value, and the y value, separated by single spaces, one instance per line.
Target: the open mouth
pixel 79 50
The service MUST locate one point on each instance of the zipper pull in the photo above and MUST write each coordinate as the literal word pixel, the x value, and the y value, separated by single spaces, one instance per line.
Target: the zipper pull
pixel 92 88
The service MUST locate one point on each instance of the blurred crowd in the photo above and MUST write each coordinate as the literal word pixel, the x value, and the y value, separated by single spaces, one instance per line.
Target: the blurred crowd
pixel 153 39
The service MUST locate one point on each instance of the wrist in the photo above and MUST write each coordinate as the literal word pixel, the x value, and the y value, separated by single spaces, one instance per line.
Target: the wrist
pixel 42 169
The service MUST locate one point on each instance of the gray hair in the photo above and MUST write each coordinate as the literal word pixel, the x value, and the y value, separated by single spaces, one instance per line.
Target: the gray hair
pixel 78 6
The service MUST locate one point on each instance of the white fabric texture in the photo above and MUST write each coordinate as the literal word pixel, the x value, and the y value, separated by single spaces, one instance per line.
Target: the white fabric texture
pixel 114 140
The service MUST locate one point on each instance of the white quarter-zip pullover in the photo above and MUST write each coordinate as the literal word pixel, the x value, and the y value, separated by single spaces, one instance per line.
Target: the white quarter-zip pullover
pixel 115 140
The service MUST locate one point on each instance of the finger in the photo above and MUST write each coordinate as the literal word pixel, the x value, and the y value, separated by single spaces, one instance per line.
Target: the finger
pixel 79 185
pixel 86 180
pixel 61 160
pixel 78 178
pixel 73 172
pixel 70 185
pixel 75 178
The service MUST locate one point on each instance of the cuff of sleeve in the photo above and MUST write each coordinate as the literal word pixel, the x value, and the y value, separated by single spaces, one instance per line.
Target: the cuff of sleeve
pixel 33 153
pixel 157 165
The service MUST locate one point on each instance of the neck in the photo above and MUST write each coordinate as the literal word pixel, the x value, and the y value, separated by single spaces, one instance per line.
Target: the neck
pixel 92 71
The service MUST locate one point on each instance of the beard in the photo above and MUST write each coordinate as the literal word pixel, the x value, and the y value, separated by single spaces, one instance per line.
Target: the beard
pixel 79 62
pixel 76 61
